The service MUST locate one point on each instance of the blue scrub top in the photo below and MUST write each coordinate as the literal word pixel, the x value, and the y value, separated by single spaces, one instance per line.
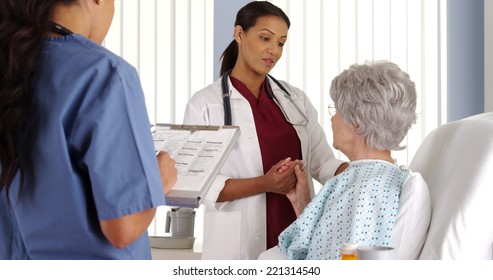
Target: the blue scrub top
pixel 91 157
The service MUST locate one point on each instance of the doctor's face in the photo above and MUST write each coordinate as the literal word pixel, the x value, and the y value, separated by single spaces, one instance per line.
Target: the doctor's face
pixel 261 46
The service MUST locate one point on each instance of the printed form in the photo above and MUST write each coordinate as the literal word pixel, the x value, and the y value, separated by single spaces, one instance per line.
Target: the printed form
pixel 199 152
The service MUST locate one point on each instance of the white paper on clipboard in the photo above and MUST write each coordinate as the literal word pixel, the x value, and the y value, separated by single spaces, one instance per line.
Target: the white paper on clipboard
pixel 199 152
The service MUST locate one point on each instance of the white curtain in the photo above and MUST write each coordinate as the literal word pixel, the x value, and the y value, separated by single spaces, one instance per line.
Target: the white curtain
pixel 170 42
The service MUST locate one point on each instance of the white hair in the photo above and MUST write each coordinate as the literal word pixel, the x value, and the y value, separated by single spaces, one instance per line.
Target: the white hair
pixel 379 99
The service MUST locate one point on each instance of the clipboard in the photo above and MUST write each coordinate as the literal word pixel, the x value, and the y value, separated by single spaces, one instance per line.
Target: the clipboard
pixel 199 152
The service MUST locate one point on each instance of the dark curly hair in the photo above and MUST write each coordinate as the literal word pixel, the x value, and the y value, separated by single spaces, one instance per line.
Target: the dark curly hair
pixel 23 27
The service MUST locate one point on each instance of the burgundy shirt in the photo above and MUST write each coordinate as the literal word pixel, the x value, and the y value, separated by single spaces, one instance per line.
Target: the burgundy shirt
pixel 278 140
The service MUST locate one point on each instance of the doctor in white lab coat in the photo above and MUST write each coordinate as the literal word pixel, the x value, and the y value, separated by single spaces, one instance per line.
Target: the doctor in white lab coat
pixel 235 225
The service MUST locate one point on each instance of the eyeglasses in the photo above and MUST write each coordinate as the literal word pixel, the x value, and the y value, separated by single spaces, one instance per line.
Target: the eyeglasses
pixel 332 109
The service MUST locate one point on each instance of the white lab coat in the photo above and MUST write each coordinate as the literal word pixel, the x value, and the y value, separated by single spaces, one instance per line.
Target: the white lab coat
pixel 237 229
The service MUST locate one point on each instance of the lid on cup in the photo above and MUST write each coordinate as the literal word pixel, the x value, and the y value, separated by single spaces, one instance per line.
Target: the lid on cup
pixel 348 248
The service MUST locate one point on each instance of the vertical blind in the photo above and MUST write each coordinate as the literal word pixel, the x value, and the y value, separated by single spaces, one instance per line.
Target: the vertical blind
pixel 170 43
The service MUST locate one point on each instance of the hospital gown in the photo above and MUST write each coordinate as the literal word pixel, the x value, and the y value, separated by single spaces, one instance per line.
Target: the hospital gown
pixel 357 206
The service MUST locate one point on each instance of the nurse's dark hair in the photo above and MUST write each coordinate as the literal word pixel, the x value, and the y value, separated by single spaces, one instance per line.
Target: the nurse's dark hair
pixel 247 17
pixel 23 26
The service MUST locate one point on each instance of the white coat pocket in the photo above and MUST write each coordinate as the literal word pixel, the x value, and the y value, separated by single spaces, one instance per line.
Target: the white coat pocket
pixel 221 235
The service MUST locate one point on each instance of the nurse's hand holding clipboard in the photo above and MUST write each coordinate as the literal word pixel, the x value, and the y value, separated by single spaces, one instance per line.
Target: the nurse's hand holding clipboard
pixel 168 170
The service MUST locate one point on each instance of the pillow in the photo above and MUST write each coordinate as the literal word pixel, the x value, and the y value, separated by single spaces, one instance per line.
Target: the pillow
pixel 456 160
pixel 413 218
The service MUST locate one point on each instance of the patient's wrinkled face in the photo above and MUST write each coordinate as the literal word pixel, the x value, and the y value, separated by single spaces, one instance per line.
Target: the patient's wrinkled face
pixel 344 136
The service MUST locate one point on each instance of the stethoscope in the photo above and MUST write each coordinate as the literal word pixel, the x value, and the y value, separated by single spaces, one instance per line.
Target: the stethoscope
pixel 302 120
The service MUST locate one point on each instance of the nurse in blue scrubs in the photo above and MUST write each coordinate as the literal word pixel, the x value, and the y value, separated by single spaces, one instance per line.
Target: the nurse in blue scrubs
pixel 79 178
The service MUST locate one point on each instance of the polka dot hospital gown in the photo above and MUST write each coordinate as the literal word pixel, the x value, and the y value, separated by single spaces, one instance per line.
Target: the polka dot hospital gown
pixel 357 206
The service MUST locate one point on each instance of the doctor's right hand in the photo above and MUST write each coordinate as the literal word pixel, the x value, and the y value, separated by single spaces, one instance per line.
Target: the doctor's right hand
pixel 167 169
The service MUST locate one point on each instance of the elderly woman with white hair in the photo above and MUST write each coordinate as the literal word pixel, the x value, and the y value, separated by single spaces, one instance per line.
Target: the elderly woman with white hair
pixel 374 107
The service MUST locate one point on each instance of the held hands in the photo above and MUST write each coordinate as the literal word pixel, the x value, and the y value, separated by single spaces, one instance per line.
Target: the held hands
pixel 288 163
pixel 299 196
pixel 280 182
pixel 168 171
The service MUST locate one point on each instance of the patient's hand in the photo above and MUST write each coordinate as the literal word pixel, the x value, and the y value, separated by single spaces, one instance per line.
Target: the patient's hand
pixel 299 196
pixel 287 164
